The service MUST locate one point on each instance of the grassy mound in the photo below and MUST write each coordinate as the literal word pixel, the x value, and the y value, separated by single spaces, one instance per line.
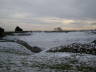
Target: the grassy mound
pixel 89 48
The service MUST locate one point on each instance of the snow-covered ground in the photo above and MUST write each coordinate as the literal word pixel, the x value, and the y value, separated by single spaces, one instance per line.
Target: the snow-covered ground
pixel 49 40
pixel 16 58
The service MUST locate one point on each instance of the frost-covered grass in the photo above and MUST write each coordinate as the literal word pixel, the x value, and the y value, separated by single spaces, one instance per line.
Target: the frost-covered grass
pixel 61 61
pixel 42 62
pixel 12 47
pixel 89 48
pixel 17 60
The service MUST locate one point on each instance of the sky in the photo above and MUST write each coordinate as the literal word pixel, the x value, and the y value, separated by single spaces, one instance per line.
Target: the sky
pixel 48 14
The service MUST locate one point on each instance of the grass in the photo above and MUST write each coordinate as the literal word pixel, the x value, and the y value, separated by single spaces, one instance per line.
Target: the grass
pixel 12 51
pixel 86 69
pixel 76 48
pixel 66 67
pixel 61 66
pixel 26 45
pixel 54 66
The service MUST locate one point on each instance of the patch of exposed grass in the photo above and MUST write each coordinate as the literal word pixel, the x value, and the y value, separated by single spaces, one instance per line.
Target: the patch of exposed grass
pixel 12 51
pixel 69 66
pixel 86 69
pixel 26 45
pixel 61 66
pixel 54 66
pixel 76 48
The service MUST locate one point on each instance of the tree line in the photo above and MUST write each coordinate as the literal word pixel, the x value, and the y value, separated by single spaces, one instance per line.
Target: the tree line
pixel 2 30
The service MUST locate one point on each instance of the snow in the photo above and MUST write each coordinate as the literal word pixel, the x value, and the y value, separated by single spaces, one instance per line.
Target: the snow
pixel 49 40
pixel 13 47
pixel 16 58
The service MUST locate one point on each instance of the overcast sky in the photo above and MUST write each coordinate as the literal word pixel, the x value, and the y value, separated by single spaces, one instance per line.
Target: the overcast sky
pixel 48 14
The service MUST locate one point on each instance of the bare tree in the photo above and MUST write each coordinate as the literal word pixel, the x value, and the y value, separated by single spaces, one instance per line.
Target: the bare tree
pixel 1 32
pixel 18 29
pixel 58 29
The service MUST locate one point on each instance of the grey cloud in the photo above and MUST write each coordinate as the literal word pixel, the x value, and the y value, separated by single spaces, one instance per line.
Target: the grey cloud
pixel 66 9
pixel 56 8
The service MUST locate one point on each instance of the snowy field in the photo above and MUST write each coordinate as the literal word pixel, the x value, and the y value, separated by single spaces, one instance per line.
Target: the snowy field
pixel 49 40
pixel 16 58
